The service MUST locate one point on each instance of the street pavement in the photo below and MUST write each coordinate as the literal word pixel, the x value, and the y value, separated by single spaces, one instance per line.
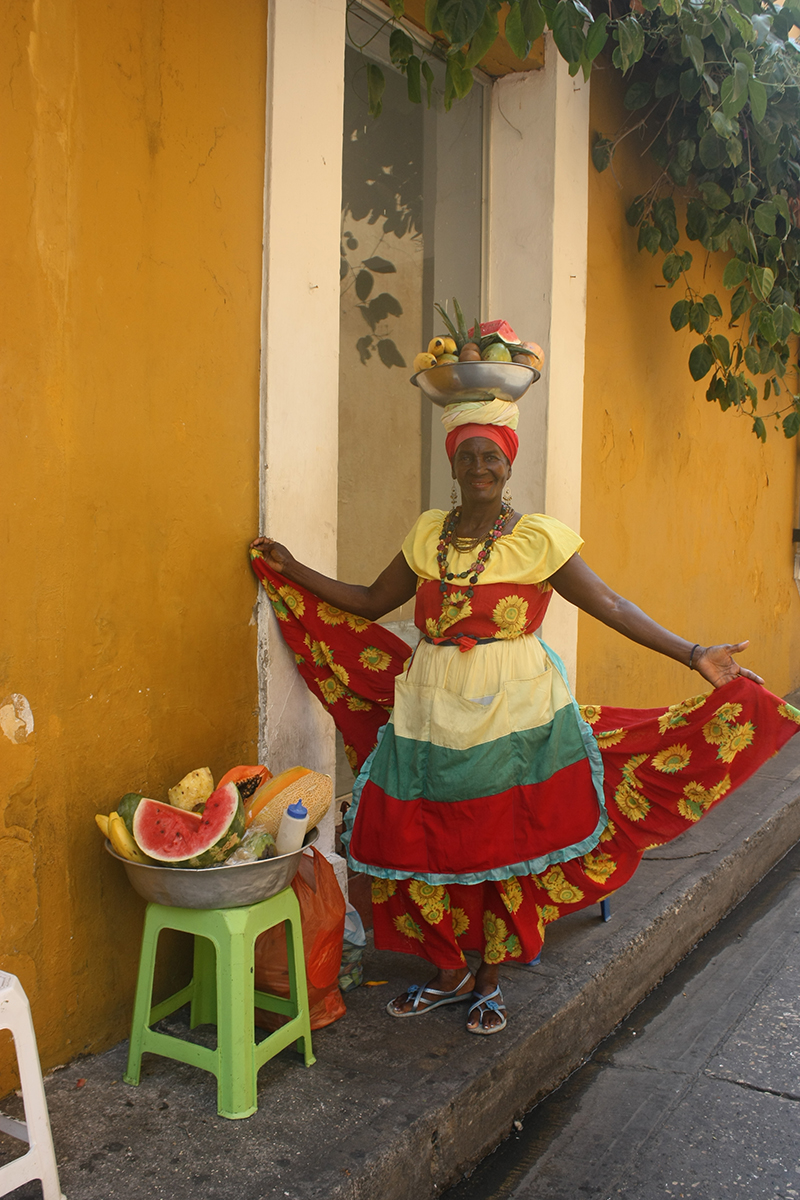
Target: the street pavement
pixel 401 1109
pixel 697 1094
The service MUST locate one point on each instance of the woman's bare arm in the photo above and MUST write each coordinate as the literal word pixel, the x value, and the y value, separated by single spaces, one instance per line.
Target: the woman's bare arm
pixel 396 584
pixel 578 584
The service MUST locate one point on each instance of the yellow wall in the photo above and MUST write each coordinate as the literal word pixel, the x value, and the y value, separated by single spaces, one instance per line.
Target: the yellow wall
pixel 132 180
pixel 683 510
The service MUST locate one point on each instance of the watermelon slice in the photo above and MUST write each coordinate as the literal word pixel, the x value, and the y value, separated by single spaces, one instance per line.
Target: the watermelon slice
pixel 501 328
pixel 179 838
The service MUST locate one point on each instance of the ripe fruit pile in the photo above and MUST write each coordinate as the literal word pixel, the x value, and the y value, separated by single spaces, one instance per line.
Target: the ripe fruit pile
pixel 492 341
pixel 205 827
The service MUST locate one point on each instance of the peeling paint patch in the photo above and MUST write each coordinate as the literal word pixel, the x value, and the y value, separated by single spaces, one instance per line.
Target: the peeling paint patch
pixel 16 718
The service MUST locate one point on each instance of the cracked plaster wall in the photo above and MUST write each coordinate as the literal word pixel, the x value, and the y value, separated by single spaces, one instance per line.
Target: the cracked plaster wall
pixel 131 246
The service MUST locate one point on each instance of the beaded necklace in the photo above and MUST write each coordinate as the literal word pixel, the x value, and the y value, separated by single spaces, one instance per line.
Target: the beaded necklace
pixel 447 538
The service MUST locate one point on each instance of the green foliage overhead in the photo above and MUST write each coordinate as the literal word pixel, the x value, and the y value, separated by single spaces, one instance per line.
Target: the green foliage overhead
pixel 714 86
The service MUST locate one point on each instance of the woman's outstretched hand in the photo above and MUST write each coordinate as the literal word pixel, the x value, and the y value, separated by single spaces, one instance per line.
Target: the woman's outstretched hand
pixel 717 665
pixel 274 553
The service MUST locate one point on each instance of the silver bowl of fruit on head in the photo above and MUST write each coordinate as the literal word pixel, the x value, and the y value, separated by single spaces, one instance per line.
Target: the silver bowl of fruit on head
pixel 485 362
pixel 217 847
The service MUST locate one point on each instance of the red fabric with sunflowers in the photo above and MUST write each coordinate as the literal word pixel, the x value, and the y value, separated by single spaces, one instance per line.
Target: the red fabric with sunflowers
pixel 348 662
pixel 665 768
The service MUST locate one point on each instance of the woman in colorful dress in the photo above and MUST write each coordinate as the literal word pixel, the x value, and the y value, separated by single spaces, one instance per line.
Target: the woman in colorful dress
pixel 492 804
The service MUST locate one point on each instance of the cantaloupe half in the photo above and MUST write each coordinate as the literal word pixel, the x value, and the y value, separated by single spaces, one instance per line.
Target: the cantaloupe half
pixel 311 788
pixel 269 789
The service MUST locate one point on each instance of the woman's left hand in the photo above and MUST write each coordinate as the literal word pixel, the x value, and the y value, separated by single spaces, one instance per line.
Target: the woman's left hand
pixel 717 665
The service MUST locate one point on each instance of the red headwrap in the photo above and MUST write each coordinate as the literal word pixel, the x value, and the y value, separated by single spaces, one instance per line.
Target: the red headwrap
pixel 505 437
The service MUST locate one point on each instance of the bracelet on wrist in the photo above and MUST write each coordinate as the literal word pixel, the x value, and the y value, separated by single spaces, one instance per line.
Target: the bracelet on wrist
pixel 695 647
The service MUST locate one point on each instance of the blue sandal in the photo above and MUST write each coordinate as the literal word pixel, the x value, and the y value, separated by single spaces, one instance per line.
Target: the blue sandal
pixel 420 1005
pixel 493 1002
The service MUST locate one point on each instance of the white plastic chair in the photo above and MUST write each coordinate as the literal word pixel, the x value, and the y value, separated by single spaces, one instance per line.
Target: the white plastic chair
pixel 40 1161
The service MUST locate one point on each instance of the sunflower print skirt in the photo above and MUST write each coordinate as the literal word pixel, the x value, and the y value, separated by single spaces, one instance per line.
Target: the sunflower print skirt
pixel 664 769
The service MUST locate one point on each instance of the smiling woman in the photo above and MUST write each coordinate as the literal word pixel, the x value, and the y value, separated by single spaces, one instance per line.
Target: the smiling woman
pixel 459 811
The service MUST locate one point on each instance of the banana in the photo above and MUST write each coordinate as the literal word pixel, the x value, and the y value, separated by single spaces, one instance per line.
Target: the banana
pixel 122 842
pixel 102 823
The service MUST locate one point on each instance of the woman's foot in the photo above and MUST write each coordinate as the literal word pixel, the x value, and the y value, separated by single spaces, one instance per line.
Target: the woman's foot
pixel 487 1013
pixel 448 987
pixel 484 1017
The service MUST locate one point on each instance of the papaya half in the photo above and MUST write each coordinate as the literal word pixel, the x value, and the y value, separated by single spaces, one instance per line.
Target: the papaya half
pixel 247 779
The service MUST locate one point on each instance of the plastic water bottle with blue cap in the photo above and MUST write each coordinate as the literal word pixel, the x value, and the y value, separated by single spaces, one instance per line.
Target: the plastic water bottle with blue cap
pixel 292 829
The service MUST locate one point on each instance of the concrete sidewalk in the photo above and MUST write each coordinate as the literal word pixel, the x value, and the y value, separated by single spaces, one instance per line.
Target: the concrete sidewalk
pixel 395 1110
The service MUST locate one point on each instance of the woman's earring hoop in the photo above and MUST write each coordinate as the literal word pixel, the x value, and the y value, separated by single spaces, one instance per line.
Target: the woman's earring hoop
pixel 453 496
pixel 507 494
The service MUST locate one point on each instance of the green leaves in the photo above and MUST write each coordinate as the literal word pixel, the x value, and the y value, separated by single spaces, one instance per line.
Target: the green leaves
pixel 630 37
pixel 458 79
pixel 714 84
pixel 567 25
pixel 524 25
pixel 459 19
pixel 601 153
pixel 734 273
pixel 701 360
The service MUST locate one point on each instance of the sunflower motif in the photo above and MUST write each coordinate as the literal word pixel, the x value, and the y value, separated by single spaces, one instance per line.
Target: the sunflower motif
pixel 558 887
pixel 599 866
pixel 408 927
pixel 629 770
pixel 293 600
pixel 499 944
pixel 611 737
pixel 298 658
pixel 331 689
pixel 511 616
pixel 591 713
pixel 460 921
pixel 317 651
pixel 789 712
pixel 511 893
pixel 696 800
pixel 513 946
pixel 455 607
pixel 358 703
pixel 383 889
pixel 676 713
pixel 340 672
pixel 739 738
pixel 433 901
pixel 630 802
pixel 329 614
pixel 278 607
pixel 549 913
pixel 673 759
pixel 374 659
pixel 717 730
pixel 729 712
pixel 357 623
pixel 352 757
pixel 608 832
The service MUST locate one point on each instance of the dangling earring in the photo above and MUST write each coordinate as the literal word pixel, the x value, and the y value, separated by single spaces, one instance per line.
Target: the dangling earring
pixel 507 495
pixel 453 495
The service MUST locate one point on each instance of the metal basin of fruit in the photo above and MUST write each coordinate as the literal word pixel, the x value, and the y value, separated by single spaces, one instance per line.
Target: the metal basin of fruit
pixel 451 382
pixel 214 887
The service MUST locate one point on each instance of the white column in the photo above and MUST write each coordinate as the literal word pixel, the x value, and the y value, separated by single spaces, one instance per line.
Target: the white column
pixel 536 279
pixel 300 351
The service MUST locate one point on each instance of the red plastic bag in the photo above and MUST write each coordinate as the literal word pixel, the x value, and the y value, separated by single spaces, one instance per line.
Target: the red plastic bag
pixel 322 913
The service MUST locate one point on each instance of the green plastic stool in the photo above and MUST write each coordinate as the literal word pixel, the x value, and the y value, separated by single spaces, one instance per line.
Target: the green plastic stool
pixel 222 993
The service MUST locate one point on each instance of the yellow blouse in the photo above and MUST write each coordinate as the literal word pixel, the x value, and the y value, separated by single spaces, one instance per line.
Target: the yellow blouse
pixel 534 550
